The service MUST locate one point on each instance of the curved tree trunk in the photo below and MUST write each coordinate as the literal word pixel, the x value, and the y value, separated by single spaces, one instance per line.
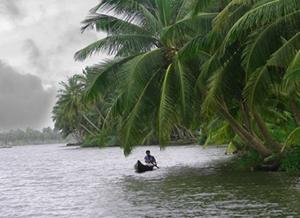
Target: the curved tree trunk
pixel 100 113
pixel 90 122
pixel 87 130
pixel 246 117
pixel 250 139
pixel 265 132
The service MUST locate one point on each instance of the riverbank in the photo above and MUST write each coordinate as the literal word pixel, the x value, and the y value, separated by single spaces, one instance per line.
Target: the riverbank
pixel 171 143
pixel 287 161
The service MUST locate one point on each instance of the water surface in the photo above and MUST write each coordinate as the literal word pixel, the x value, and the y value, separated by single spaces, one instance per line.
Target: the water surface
pixel 58 181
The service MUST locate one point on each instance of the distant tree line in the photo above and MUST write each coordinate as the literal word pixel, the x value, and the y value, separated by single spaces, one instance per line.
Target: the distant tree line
pixel 30 136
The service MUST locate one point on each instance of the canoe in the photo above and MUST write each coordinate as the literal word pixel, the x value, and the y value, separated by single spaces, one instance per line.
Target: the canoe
pixel 140 168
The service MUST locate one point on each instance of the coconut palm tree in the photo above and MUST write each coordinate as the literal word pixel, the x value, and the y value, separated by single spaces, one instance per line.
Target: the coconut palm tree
pixel 244 76
pixel 151 76
pixel 177 65
pixel 70 114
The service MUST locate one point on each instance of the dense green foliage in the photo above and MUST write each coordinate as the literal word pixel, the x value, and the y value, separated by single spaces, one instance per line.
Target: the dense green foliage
pixel 30 137
pixel 291 160
pixel 230 68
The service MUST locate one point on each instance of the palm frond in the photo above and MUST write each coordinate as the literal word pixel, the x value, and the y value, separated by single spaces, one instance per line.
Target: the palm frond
pixel 292 77
pixel 112 44
pixel 260 16
pixel 257 86
pixel 292 139
pixel 267 41
pixel 134 128
pixel 186 84
pixel 198 46
pixel 200 5
pixel 225 83
pixel 183 8
pixel 285 54
pixel 136 11
pixel 167 116
pixel 230 14
pixel 112 25
pixel 128 8
pixel 164 11
pixel 104 76
pixel 187 27
pixel 138 71
pixel 208 69
pixel 140 94
pixel 294 68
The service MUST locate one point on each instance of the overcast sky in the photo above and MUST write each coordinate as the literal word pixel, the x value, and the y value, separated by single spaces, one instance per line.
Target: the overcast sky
pixel 38 39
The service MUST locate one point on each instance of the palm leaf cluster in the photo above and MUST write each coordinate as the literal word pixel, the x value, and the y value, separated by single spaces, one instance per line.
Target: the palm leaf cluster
pixel 74 115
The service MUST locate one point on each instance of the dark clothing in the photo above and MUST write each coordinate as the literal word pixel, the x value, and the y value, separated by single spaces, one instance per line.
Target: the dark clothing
pixel 149 159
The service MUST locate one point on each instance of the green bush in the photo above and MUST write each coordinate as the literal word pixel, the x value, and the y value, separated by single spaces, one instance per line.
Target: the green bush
pixel 202 139
pixel 91 141
pixel 102 139
pixel 291 160
pixel 247 161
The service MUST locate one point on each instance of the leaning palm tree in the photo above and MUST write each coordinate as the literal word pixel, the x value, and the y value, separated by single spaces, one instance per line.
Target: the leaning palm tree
pixel 151 76
pixel 259 45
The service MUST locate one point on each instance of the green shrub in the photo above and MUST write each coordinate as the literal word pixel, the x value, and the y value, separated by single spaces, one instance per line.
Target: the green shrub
pixel 91 141
pixel 202 139
pixel 291 160
pixel 247 161
pixel 102 139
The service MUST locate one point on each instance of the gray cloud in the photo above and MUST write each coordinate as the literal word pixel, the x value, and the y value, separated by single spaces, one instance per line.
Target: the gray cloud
pixel 35 56
pixel 31 47
pixel 73 38
pixel 10 8
pixel 23 100
pixel 45 39
pixel 40 38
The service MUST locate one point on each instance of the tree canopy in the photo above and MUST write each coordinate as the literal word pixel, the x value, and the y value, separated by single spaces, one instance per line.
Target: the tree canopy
pixel 229 68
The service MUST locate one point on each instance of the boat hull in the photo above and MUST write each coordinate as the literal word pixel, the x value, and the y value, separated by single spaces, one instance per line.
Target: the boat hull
pixel 140 168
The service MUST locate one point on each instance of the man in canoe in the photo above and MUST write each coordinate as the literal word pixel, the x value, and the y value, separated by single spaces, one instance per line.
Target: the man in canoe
pixel 149 159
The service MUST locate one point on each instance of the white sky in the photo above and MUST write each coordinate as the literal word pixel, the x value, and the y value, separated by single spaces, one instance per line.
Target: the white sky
pixel 40 37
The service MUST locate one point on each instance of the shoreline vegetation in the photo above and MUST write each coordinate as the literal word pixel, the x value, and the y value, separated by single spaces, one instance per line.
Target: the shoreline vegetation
pixel 30 137
pixel 217 71
pixel 171 143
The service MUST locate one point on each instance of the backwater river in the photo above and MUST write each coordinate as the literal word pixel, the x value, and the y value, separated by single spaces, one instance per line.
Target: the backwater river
pixel 59 181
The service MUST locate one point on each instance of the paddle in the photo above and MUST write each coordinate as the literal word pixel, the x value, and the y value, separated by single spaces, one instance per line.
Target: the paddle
pixel 155 165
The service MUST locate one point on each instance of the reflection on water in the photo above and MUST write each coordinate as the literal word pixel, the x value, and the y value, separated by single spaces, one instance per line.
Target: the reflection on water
pixel 55 181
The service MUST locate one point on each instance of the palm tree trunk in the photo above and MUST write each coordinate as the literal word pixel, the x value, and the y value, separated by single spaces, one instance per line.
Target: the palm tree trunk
pixel 90 122
pixel 295 110
pixel 265 132
pixel 251 140
pixel 87 130
pixel 246 116
pixel 100 113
